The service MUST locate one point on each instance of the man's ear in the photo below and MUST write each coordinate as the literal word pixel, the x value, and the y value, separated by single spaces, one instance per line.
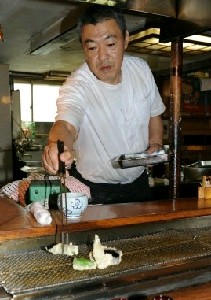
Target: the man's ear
pixel 126 39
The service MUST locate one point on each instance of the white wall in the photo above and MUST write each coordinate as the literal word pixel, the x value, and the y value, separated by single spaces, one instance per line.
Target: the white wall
pixel 6 164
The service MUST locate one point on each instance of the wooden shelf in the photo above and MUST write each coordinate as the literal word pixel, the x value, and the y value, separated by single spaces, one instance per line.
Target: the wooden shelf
pixel 196 132
pixel 196 148
pixel 204 117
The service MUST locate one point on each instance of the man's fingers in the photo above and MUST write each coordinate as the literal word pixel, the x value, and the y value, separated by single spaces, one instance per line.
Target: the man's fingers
pixel 50 158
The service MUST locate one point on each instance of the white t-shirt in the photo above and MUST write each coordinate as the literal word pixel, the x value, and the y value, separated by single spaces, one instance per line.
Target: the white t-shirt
pixel 110 119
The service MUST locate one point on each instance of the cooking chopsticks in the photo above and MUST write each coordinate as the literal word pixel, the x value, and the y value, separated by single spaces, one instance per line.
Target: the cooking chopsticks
pixel 62 174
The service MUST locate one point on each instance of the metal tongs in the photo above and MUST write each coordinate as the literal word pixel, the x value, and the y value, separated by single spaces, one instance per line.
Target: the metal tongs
pixel 62 175
pixel 139 159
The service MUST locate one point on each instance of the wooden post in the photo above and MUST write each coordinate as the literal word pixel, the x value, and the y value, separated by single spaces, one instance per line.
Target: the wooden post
pixel 175 117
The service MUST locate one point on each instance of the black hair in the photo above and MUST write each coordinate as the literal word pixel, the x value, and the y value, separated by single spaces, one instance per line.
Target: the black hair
pixel 97 13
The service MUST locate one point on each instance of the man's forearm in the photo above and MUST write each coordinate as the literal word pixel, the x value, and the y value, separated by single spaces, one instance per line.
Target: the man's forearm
pixel 61 130
pixel 156 131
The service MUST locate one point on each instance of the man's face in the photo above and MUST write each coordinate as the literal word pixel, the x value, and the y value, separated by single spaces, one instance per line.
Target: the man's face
pixel 104 46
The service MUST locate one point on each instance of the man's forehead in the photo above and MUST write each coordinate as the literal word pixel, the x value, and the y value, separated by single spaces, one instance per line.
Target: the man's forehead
pixel 103 30
pixel 105 38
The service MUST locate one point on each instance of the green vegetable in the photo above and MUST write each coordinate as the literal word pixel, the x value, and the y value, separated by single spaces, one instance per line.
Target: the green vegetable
pixel 81 263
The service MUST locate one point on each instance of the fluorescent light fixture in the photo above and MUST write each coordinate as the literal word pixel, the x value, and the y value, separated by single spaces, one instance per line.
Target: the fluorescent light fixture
pixel 144 34
pixel 148 39
pixel 199 38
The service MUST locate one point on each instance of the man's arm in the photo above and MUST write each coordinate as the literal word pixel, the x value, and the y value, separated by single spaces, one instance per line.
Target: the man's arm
pixel 155 134
pixel 64 131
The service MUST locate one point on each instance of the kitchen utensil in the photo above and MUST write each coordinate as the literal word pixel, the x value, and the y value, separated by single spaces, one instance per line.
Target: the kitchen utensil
pixel 63 205
pixel 139 159
pixel 195 171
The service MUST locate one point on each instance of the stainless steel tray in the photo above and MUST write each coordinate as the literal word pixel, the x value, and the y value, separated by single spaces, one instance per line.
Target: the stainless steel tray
pixel 139 159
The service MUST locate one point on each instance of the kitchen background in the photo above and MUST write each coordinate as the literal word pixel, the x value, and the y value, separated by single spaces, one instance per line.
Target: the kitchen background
pixel 39 48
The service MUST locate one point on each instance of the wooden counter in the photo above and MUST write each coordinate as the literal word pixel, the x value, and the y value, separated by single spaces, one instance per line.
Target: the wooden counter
pixel 16 222
pixel 202 292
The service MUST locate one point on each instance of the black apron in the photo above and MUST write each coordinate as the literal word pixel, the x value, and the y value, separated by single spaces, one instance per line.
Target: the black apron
pixel 108 193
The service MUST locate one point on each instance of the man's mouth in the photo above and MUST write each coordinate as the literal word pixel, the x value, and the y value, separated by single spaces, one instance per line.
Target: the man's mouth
pixel 105 68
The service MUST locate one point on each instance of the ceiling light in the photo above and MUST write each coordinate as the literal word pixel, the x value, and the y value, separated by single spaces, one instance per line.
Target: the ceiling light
pixel 148 39
pixel 144 34
pixel 199 39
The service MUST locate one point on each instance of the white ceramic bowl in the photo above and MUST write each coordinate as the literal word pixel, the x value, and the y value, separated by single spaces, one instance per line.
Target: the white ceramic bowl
pixel 76 204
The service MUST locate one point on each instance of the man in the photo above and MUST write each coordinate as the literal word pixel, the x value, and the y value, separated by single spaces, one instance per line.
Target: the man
pixel 108 107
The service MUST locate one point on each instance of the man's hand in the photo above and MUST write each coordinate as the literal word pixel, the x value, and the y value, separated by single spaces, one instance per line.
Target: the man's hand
pixel 50 158
pixel 153 148
pixel 155 134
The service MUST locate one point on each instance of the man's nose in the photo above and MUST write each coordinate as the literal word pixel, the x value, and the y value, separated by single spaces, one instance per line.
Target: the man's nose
pixel 102 53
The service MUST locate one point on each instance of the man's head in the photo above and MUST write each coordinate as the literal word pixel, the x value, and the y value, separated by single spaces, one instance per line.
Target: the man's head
pixel 103 35
pixel 98 13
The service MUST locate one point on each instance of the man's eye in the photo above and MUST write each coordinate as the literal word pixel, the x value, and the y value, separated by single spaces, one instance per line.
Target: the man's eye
pixel 111 44
pixel 92 48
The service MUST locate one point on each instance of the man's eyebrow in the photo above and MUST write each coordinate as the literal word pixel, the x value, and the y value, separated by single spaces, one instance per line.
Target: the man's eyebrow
pixel 89 41
pixel 106 38
pixel 110 36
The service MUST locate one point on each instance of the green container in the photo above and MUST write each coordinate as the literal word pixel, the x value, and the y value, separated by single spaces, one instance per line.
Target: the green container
pixel 45 191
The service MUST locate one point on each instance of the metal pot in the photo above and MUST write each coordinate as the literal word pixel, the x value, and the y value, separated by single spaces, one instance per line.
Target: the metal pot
pixel 195 171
